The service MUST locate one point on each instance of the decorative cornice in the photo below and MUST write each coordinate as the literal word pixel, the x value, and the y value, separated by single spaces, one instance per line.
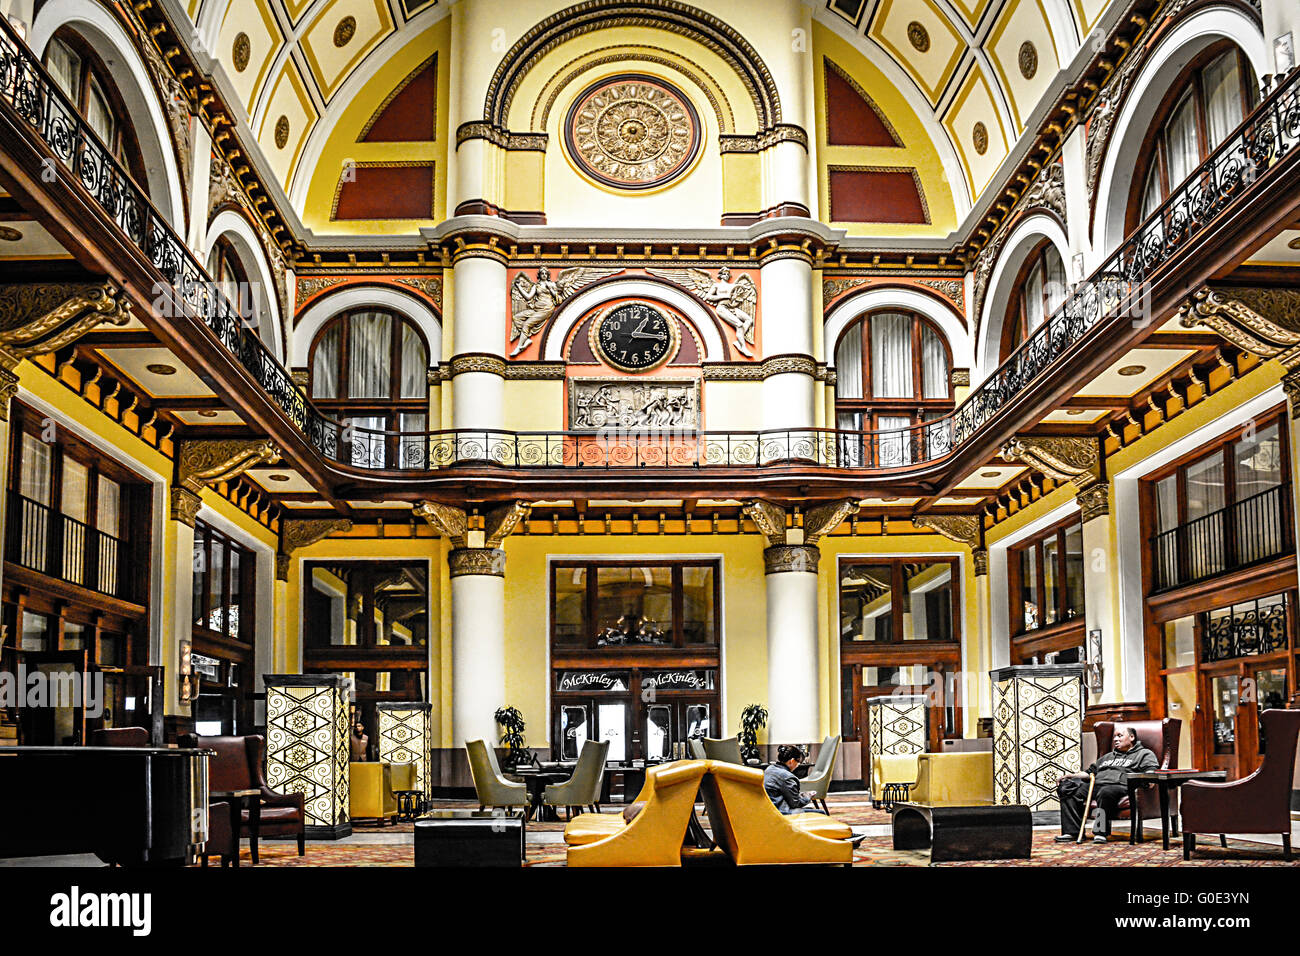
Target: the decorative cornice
pixel 489 562
pixel 782 558
pixel 478 250
pixel 1264 322
pixel 1062 458
pixel 534 371
pixel 963 529
pixel 185 505
pixel 733 372
pixel 477 362
pixel 499 136
pixel 788 364
pixel 298 533
pixel 802 253
pixel 1094 501
pixel 757 143
pixel 37 318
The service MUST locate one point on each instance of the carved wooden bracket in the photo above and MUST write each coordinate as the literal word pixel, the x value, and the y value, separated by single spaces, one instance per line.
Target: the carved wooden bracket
pixel 1062 458
pixel 963 529
pixel 36 318
pixel 500 522
pixel 768 518
pixel 823 519
pixel 449 522
pixel 1264 322
pixel 298 533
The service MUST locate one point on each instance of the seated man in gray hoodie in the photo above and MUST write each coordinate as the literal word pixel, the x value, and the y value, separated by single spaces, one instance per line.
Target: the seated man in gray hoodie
pixel 1127 756
pixel 782 785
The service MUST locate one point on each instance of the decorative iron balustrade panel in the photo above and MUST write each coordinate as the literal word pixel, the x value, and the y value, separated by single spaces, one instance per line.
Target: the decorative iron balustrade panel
pixel 1257 630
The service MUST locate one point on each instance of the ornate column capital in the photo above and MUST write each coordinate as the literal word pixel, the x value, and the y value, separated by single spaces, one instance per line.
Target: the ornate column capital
pixel 980 558
pixel 8 382
pixel 477 362
pixel 490 562
pixel 185 505
pixel 782 558
pixel 1094 501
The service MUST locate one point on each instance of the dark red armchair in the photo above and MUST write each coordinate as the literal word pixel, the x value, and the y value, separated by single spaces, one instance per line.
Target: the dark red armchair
pixel 120 737
pixel 1161 738
pixel 1259 803
pixel 220 841
pixel 238 766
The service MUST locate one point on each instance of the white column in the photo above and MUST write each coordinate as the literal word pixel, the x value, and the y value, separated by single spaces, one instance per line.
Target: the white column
pixel 1101 597
pixel 178 593
pixel 478 642
pixel 789 365
pixel 479 339
pixel 792 679
pixel 8 388
pixel 975 689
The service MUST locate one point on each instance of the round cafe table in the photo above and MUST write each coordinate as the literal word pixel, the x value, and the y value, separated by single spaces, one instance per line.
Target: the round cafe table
pixel 536 780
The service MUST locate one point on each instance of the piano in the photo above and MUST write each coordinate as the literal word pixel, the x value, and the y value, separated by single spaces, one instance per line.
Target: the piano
pixel 130 806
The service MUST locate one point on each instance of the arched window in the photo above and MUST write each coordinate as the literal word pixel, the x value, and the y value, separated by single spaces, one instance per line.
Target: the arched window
pixel 1039 291
pixel 370 367
pixel 232 279
pixel 1208 102
pixel 80 73
pixel 891 374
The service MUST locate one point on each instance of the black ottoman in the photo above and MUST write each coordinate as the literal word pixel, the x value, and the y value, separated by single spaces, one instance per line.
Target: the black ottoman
pixel 964 833
pixel 470 838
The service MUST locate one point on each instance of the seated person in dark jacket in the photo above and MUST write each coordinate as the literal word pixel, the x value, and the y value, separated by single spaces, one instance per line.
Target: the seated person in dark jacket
pixel 782 785
pixel 1127 756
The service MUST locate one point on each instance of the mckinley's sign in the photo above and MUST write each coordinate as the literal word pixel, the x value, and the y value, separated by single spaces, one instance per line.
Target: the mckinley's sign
pixel 591 680
pixel 681 680
pixel 665 680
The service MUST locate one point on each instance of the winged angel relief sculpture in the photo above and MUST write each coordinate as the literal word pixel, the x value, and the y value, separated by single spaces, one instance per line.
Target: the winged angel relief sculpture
pixel 734 302
pixel 533 303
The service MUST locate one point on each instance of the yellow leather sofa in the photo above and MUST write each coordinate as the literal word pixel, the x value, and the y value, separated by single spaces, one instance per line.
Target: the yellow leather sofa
pixel 954 779
pixel 370 795
pixel 750 829
pixel 653 837
pixel 891 768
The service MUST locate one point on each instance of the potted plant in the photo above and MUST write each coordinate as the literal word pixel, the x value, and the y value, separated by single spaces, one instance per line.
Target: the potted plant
pixel 512 721
pixel 751 719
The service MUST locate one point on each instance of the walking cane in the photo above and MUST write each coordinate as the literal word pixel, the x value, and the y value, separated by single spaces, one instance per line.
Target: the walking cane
pixel 1092 779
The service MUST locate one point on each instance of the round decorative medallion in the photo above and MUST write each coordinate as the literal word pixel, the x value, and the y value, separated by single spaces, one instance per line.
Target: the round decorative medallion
pixel 1293 244
pixel 632 132
pixel 635 337
pixel 160 369
pixel 919 36
pixel 282 132
pixel 239 54
pixel 345 31
pixel 1028 60
pixel 9 234
pixel 980 137
pixel 1132 370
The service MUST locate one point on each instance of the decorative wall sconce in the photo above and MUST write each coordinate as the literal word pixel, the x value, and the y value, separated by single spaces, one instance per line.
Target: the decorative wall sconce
pixel 307 747
pixel 1095 659
pixel 188 692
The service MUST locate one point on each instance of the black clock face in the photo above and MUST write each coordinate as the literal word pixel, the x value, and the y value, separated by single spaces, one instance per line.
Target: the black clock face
pixel 635 337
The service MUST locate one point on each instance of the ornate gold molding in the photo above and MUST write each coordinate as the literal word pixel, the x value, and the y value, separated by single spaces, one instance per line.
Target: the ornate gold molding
pixel 185 505
pixel 960 378
pixel 963 529
pixel 1094 501
pixel 1063 458
pixel 823 519
pixel 482 561
pixel 781 558
pixel 1264 322
pixel 534 371
pixel 206 462
pixel 449 522
pixel 980 558
pixel 1290 385
pixel 298 533
pixel 36 318
pixel 768 518
pixel 8 382
pixel 500 522
pixel 786 364
pixel 476 362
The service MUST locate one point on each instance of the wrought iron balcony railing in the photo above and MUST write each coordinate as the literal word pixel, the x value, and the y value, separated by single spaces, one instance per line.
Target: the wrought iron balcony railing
pixel 1242 162
pixel 1246 532
pixel 42 539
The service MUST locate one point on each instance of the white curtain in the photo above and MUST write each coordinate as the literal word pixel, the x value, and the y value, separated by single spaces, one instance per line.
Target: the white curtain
pixel 934 365
pixel 848 363
pixel 35 480
pixel 1182 143
pixel 891 355
pixel 1056 286
pixel 64 66
pixel 325 365
pixel 370 337
pixel 895 441
pixel 415 365
pixel 1222 85
pixel 1153 193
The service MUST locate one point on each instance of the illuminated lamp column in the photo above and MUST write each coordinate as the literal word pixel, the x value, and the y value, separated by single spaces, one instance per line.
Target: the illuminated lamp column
pixel 478 365
pixel 789 366
pixel 792 685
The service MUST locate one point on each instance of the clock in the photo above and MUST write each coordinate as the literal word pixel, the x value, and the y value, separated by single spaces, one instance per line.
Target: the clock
pixel 635 337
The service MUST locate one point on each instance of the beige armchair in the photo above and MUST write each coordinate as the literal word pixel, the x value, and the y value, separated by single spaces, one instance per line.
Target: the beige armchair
pixel 697 748
pixel 493 789
pixel 818 781
pixel 582 790
pixel 954 779
pixel 890 768
pixel 727 750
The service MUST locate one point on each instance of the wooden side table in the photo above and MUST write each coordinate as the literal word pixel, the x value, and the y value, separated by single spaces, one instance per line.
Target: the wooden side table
pixel 1163 780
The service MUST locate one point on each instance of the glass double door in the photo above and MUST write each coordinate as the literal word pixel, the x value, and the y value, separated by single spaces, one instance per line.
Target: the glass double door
pixel 1233 695
pixel 636 729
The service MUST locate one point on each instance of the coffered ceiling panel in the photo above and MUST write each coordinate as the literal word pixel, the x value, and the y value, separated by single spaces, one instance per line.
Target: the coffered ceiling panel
pixel 288 118
pixel 975 126
pixel 158 372
pixel 1137 370
pixel 340 36
pixel 1024 55
pixel 248 44
pixel 921 39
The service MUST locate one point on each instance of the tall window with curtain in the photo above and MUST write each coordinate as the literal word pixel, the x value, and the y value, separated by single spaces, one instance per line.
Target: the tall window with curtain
pixel 1203 107
pixel 1040 290
pixel 231 277
pixel 891 377
pixel 369 370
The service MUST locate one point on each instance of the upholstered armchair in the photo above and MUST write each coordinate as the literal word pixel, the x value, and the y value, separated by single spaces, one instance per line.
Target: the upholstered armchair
pixel 954 779
pixel 1161 738
pixel 493 789
pixel 1259 803
pixel 370 792
pixel 818 781
pixel 120 737
pixel 726 749
pixel 890 768
pixel 583 788
pixel 697 748
pixel 221 842
pixel 237 765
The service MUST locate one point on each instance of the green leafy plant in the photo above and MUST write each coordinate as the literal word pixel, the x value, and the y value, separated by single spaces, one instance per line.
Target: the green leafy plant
pixel 752 718
pixel 512 721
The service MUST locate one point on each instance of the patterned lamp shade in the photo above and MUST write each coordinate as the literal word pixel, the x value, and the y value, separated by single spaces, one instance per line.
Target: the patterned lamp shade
pixel 1037 733
pixel 404 738
pixel 307 747
pixel 896 724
